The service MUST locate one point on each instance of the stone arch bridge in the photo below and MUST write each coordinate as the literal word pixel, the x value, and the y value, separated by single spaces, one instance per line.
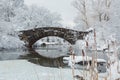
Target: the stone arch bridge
pixel 33 35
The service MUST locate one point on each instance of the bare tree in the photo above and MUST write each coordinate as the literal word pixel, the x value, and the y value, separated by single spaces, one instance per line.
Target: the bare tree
pixel 91 12
pixel 81 6
pixel 101 9
pixel 107 5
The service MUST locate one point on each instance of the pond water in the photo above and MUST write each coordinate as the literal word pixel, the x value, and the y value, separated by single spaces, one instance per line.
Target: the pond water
pixel 49 56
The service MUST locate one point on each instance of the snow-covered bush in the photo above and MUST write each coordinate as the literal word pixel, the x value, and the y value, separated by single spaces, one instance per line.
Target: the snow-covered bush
pixel 10 42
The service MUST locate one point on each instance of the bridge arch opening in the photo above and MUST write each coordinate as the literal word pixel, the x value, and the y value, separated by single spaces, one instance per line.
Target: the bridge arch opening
pixel 54 46
pixel 51 40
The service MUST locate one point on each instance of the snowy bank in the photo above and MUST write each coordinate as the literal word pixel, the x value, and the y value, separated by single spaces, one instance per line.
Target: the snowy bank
pixel 24 70
pixel 10 42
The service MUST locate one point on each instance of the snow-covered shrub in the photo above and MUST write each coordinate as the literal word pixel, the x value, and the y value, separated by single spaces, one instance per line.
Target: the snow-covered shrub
pixel 10 42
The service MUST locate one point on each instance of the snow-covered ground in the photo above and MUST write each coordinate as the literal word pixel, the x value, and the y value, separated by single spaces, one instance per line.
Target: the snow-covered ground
pixel 24 70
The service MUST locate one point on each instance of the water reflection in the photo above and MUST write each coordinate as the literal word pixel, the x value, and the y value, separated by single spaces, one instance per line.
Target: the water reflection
pixel 52 51
pixel 36 58
pixel 11 54
pixel 49 56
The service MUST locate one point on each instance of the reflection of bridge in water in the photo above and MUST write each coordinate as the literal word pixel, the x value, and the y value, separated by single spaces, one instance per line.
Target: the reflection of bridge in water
pixel 33 35
pixel 36 58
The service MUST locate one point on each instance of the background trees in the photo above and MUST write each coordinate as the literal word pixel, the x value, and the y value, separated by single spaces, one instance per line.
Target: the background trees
pixel 8 13
pixel 82 18
pixel 103 15
pixel 91 12
pixel 35 17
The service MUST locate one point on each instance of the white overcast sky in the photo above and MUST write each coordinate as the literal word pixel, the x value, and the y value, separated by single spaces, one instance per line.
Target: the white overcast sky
pixel 63 7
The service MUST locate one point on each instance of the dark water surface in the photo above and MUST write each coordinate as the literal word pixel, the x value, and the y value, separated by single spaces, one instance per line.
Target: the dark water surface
pixel 50 56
